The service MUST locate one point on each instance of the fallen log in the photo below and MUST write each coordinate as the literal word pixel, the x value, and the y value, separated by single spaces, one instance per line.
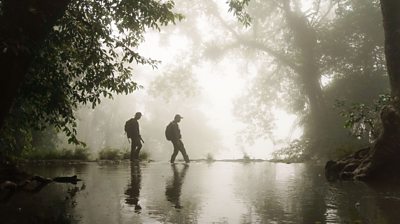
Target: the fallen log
pixel 32 184
pixel 73 179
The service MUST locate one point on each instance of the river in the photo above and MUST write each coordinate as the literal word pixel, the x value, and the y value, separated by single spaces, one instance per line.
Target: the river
pixel 218 192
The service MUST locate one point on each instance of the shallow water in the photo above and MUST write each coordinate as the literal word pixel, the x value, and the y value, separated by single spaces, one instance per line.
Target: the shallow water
pixel 219 192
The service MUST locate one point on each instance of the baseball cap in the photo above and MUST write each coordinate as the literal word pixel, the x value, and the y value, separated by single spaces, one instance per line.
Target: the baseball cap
pixel 178 116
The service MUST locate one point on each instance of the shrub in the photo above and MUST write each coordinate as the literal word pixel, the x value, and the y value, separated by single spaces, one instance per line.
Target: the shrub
pixel 210 157
pixel 363 120
pixel 110 154
pixel 64 154
pixel 67 154
pixel 246 157
pixel 144 155
pixel 126 154
pixel 81 154
pixel 37 154
pixel 294 152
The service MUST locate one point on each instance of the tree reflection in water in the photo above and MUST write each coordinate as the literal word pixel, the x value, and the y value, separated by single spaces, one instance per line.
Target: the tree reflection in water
pixel 206 193
pixel 133 190
pixel 174 185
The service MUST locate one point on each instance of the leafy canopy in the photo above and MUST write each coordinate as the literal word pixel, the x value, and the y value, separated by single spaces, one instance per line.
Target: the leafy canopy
pixel 88 55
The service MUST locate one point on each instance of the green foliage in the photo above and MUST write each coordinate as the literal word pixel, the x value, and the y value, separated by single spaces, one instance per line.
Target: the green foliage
pixel 347 55
pixel 237 7
pixel 88 55
pixel 110 154
pixel 126 154
pixel 25 139
pixel 78 153
pixel 116 154
pixel 14 139
pixel 315 52
pixel 294 152
pixel 363 120
pixel 174 83
pixel 144 156
pixel 344 150
pixel 354 60
pixel 81 153
pixel 45 139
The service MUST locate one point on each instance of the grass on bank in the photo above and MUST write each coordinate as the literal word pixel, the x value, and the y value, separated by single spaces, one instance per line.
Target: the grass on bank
pixel 80 153
pixel 63 154
pixel 117 154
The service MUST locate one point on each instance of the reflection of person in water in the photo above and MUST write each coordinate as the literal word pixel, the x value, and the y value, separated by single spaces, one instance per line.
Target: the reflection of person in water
pixel 174 185
pixel 133 190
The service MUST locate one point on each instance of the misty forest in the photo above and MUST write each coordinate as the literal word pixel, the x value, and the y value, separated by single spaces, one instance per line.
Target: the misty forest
pixel 202 111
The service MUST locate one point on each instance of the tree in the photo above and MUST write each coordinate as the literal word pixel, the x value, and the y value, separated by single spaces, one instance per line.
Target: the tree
pixel 380 160
pixel 295 47
pixel 24 26
pixel 384 154
pixel 280 36
pixel 333 40
pixel 353 62
pixel 84 50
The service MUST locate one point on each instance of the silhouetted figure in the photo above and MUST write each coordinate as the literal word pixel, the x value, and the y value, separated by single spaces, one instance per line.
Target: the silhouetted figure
pixel 174 186
pixel 133 133
pixel 133 190
pixel 174 135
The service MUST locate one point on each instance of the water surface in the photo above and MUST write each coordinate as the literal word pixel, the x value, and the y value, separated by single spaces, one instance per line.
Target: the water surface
pixel 219 192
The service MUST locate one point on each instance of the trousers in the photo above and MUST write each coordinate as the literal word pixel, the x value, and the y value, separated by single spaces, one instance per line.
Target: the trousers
pixel 179 147
pixel 136 145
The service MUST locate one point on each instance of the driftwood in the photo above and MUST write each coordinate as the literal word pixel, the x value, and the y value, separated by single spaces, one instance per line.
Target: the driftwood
pixel 32 184
pixel 72 180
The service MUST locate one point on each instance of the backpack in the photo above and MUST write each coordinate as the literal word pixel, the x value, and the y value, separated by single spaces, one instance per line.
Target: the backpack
pixel 168 132
pixel 129 127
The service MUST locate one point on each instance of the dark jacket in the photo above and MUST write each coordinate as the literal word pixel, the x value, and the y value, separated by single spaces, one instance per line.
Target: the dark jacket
pixel 176 132
pixel 135 133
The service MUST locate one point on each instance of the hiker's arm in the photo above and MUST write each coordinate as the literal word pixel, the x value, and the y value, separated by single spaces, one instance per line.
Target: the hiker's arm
pixel 141 139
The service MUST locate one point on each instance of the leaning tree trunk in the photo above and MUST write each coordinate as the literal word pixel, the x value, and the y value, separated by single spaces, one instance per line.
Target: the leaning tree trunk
pixel 24 25
pixel 382 159
pixel 305 42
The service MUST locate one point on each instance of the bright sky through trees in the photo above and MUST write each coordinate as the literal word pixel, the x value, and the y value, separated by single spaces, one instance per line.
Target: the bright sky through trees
pixel 220 84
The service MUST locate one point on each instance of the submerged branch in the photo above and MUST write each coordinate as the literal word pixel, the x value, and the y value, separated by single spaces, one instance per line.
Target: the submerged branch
pixel 31 184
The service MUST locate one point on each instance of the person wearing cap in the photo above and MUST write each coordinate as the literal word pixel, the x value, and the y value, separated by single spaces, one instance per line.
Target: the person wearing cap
pixel 176 139
pixel 133 133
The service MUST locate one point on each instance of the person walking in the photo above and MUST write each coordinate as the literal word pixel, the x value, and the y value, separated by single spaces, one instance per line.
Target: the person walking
pixel 173 134
pixel 133 133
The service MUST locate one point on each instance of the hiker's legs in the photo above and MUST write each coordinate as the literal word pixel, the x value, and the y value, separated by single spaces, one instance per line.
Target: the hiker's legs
pixel 183 151
pixel 176 150
pixel 132 149
pixel 136 145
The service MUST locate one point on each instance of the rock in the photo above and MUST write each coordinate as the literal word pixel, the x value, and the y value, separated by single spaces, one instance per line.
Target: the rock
pixel 8 185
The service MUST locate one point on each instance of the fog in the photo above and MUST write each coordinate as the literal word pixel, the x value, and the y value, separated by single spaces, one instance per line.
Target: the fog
pixel 245 90
pixel 189 81
pixel 302 83
pixel 209 125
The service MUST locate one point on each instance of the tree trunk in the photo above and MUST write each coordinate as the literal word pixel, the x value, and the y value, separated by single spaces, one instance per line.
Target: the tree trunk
pixel 391 25
pixel 305 41
pixel 24 25
pixel 381 160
